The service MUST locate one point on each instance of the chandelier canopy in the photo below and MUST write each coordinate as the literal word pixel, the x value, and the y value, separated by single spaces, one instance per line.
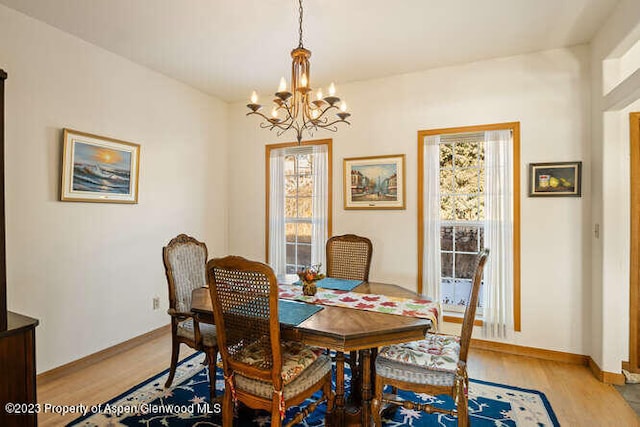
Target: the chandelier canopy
pixel 299 109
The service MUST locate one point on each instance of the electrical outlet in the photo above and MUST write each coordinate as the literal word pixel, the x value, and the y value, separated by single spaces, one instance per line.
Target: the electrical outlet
pixel 156 303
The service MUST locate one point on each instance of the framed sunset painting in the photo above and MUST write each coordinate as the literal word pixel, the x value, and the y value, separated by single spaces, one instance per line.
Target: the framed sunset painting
pixel 99 169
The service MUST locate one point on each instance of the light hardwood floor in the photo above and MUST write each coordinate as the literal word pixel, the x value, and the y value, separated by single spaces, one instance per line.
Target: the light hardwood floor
pixel 577 398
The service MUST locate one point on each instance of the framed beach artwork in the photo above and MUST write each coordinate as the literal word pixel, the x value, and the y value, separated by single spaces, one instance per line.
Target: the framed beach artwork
pixel 376 182
pixel 99 169
pixel 555 179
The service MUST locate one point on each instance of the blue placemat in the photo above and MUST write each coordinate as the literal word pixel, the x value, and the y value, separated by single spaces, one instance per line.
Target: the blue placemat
pixel 294 313
pixel 338 284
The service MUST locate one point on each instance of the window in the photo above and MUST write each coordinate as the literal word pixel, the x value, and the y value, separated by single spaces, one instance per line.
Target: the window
pixel 298 204
pixel 466 176
pixel 461 159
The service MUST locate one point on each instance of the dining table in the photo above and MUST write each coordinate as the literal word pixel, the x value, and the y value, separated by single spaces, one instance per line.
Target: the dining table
pixel 351 330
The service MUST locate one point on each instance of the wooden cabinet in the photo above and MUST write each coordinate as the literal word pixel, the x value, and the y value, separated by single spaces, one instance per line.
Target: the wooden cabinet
pixel 18 371
pixel 17 332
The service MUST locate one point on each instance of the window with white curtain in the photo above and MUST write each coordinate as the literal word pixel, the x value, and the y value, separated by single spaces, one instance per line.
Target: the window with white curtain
pixel 462 176
pixel 469 189
pixel 299 204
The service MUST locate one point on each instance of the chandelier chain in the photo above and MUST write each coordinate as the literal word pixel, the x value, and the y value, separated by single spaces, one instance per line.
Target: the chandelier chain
pixel 300 23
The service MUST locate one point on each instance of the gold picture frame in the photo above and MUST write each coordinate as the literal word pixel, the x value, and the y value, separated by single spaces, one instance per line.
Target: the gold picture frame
pixel 375 182
pixel 99 169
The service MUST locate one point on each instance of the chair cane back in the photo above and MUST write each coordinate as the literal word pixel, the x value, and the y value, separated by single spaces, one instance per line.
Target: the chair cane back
pixel 185 260
pixel 436 365
pixel 260 370
pixel 349 257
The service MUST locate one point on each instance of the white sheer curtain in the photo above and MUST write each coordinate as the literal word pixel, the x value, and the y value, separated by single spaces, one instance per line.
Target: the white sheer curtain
pixel 498 284
pixel 320 206
pixel 431 253
pixel 277 235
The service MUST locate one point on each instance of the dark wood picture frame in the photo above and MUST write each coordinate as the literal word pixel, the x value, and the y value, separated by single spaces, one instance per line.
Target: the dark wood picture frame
pixel 555 179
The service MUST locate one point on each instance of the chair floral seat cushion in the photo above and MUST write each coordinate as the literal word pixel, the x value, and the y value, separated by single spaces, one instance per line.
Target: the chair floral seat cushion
pixel 433 360
pixel 299 383
pixel 296 357
pixel 207 331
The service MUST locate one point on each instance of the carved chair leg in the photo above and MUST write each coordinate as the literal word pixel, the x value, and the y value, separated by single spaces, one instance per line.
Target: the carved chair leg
pixel 212 356
pixel 463 412
pixel 175 352
pixel 227 408
pixel 328 393
pixel 376 403
pixel 275 412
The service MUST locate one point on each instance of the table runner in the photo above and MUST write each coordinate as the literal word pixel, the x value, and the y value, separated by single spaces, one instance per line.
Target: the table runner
pixel 422 308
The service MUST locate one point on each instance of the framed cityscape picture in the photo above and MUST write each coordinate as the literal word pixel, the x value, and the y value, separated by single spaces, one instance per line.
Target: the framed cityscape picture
pixel 555 179
pixel 376 182
pixel 99 169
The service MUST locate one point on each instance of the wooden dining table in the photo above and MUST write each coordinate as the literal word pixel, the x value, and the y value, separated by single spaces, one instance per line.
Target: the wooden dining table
pixel 346 330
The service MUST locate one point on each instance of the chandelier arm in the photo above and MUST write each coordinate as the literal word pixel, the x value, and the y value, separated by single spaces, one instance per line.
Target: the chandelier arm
pixel 330 129
pixel 288 110
pixel 326 110
pixel 257 113
pixel 268 124
pixel 334 123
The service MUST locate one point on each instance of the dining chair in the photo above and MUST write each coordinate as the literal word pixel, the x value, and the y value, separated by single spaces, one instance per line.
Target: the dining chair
pixel 185 260
pixel 436 365
pixel 349 257
pixel 261 370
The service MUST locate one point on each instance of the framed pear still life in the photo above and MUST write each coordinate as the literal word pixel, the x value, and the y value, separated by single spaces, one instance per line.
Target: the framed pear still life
pixel 376 182
pixel 560 179
pixel 98 169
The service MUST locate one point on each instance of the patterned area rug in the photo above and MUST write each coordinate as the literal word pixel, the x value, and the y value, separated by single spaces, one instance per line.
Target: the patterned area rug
pixel 186 404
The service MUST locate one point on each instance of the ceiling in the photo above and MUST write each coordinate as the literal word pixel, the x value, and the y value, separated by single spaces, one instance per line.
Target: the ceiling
pixel 229 47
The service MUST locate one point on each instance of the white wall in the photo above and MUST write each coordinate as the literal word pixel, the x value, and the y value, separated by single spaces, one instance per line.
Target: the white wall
pixel 89 271
pixel 547 92
pixel 610 207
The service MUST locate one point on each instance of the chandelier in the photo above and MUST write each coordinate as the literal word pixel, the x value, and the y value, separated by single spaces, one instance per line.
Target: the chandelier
pixel 299 109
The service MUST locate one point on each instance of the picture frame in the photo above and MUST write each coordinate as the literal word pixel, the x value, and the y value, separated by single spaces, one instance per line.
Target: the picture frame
pixel 98 169
pixel 375 182
pixel 556 179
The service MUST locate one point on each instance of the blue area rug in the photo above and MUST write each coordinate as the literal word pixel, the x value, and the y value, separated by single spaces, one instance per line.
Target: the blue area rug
pixel 186 404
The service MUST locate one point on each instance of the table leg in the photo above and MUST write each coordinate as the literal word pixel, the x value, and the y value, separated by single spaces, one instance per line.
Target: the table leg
pixel 338 407
pixel 355 395
pixel 365 361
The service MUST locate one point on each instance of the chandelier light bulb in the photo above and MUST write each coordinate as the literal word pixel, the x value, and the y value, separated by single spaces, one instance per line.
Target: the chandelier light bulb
pixel 274 113
pixel 283 85
pixel 319 95
pixel 254 97
pixel 332 89
pixel 343 107
pixel 303 80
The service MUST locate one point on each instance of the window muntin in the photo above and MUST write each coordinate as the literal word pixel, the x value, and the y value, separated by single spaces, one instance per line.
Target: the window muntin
pixel 298 181
pixel 461 215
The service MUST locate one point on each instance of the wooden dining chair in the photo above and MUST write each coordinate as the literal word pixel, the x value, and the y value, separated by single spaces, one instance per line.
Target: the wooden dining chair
pixel 436 365
pixel 261 370
pixel 349 257
pixel 185 260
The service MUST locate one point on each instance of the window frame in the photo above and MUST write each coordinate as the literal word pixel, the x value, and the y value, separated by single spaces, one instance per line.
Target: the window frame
pixel 514 127
pixel 268 149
